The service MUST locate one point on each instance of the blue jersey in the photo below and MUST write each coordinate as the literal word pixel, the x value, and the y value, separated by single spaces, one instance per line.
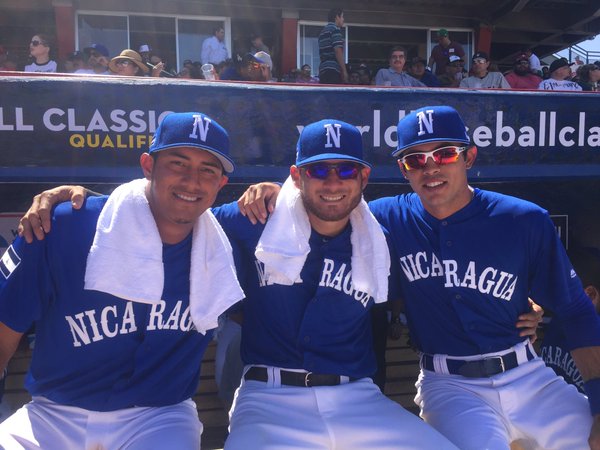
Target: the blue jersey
pixel 93 350
pixel 466 278
pixel 321 324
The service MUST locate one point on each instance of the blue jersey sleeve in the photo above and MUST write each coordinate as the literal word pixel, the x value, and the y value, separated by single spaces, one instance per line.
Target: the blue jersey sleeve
pixel 554 284
pixel 24 284
pixel 236 226
pixel 394 285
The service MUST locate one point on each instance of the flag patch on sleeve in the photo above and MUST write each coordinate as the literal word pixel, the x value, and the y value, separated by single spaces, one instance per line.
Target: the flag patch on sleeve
pixel 9 262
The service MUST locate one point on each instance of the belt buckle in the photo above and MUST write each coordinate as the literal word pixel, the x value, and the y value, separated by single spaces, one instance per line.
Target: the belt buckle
pixel 307 382
pixel 499 358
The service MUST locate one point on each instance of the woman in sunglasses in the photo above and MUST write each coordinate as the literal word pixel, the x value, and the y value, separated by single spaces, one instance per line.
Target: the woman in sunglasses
pixel 589 77
pixel 128 63
pixel 39 51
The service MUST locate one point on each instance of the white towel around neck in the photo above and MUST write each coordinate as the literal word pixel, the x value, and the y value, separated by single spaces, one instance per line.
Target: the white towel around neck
pixel 125 259
pixel 284 245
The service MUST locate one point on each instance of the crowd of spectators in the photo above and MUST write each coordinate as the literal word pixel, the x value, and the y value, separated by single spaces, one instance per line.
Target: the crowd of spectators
pixel 445 67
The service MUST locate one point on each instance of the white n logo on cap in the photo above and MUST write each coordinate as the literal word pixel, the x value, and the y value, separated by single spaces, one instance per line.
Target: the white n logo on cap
pixel 425 121
pixel 333 135
pixel 200 124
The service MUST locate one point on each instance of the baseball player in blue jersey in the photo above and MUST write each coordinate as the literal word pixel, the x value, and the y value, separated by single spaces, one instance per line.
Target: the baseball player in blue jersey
pixel 119 339
pixel 307 343
pixel 311 276
pixel 554 349
pixel 470 258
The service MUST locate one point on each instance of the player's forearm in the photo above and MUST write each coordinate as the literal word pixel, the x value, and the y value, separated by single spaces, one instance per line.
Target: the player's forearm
pixel 587 360
pixel 594 439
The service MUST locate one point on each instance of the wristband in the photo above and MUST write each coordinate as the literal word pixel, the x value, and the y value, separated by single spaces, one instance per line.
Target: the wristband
pixel 592 389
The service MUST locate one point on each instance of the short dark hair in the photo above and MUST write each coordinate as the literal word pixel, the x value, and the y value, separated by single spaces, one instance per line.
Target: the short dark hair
pixel 218 28
pixel 333 13
pixel 396 48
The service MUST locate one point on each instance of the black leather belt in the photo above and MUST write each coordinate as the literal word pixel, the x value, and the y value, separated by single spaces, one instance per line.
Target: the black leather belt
pixel 480 368
pixel 301 379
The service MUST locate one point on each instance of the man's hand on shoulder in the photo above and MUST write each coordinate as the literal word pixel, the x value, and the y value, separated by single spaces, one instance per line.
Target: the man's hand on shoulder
pixel 36 221
pixel 259 201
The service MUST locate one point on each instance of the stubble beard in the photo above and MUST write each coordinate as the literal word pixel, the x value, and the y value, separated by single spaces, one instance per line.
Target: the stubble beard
pixel 323 213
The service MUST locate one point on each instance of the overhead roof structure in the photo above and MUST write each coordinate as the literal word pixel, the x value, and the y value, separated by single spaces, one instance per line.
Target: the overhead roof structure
pixel 546 26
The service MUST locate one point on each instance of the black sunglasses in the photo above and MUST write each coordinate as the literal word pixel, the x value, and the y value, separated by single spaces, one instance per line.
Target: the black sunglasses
pixel 344 170
pixel 35 43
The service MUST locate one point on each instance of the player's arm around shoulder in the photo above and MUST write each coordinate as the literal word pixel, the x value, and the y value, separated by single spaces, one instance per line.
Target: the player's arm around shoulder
pixel 258 201
pixel 36 222
pixel 22 285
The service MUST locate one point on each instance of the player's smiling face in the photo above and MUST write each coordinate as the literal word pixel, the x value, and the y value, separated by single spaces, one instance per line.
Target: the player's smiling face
pixel 184 182
pixel 443 189
pixel 330 201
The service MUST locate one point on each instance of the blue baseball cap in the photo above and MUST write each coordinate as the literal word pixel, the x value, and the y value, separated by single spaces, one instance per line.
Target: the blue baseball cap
pixel 329 139
pixel 193 129
pixel 99 48
pixel 431 124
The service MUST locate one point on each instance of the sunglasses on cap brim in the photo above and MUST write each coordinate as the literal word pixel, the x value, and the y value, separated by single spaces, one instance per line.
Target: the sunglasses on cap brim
pixel 441 156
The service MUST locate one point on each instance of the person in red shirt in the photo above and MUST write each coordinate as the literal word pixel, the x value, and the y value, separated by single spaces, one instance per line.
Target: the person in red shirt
pixel 521 77
pixel 443 51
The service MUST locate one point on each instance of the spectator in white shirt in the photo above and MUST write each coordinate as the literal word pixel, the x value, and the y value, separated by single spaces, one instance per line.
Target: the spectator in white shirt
pixel 560 72
pixel 39 50
pixel 482 77
pixel 213 48
pixel 534 61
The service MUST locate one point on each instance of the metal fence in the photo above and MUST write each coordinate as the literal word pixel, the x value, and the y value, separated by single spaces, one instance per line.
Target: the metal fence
pixel 588 57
